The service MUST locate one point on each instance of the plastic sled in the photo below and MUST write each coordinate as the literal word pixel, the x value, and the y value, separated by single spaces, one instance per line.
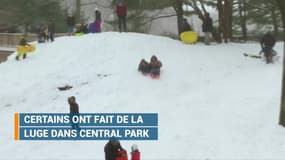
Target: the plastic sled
pixel 189 37
pixel 26 49
pixel 79 34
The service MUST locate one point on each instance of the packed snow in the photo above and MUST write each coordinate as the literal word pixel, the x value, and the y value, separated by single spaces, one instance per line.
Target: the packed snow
pixel 212 101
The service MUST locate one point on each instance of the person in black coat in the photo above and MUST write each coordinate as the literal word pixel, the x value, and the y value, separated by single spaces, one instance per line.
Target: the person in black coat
pixel 111 149
pixel 51 30
pixel 267 43
pixel 144 67
pixel 73 110
pixel 186 25
pixel 70 21
pixel 207 27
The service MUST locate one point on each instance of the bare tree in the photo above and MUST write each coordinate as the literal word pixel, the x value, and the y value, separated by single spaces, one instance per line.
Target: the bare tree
pixel 281 4
pixel 242 5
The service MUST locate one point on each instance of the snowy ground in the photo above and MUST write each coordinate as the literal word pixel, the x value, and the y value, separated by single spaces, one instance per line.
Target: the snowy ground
pixel 212 101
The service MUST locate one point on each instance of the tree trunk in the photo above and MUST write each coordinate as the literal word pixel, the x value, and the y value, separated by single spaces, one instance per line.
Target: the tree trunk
pixel 243 17
pixel 274 22
pixel 220 14
pixel 230 24
pixel 179 11
pixel 281 4
pixel 226 21
pixel 78 10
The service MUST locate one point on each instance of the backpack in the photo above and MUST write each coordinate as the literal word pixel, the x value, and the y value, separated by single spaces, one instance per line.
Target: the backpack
pixel 122 155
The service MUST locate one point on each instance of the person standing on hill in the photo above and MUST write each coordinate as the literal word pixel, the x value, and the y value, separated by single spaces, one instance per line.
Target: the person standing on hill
pixel 121 10
pixel 207 27
pixel 98 21
pixel 186 25
pixel 70 21
pixel 51 30
pixel 95 27
pixel 267 43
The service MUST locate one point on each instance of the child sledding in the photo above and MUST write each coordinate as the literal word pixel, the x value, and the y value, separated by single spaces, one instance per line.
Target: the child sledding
pixel 23 48
pixel 152 68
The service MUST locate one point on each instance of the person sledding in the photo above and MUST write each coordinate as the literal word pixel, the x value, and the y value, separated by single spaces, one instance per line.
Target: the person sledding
pixel 267 43
pixel 155 66
pixel 23 43
pixel 152 68
pixel 144 67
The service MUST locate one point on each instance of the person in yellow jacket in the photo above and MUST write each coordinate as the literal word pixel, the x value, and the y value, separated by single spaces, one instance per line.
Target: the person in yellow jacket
pixel 22 44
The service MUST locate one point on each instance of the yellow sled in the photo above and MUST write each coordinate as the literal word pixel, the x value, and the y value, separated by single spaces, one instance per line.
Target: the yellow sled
pixel 189 37
pixel 26 49
pixel 79 34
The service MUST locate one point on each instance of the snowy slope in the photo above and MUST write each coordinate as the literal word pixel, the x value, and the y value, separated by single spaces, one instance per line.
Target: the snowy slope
pixel 212 102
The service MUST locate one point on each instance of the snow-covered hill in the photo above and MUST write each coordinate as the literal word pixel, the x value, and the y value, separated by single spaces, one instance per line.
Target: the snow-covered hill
pixel 212 102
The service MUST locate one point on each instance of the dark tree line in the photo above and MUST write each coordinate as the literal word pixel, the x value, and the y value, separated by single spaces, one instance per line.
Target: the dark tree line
pixel 30 13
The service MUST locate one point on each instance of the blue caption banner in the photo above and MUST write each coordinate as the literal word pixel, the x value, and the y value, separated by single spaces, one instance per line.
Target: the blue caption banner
pixel 89 126
pixel 100 119
pixel 88 133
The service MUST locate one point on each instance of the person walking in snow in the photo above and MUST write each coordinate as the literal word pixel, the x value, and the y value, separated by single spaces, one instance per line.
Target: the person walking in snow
pixel 207 28
pixel 135 153
pixel 73 110
pixel 267 43
pixel 22 43
pixel 112 149
pixel 155 66
pixel 121 10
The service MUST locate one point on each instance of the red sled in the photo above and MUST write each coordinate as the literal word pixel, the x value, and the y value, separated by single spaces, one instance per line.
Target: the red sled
pixel 154 76
pixel 122 155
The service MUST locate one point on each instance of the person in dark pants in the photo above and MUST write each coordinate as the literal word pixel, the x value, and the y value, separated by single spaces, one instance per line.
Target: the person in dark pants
pixel 121 10
pixel 70 21
pixel 111 149
pixel 207 28
pixel 51 30
pixel 186 25
pixel 73 110
pixel 267 43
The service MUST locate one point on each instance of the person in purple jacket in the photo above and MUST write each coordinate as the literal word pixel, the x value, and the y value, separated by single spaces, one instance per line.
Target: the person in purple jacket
pixel 95 27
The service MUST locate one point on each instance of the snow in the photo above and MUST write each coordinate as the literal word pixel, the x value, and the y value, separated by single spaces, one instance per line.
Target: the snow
pixel 212 102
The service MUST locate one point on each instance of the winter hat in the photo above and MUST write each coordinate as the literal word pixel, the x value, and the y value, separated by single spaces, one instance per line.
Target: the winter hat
pixel 134 147
pixel 153 58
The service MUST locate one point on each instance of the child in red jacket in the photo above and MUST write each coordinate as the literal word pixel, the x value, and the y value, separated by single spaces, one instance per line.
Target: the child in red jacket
pixel 135 154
